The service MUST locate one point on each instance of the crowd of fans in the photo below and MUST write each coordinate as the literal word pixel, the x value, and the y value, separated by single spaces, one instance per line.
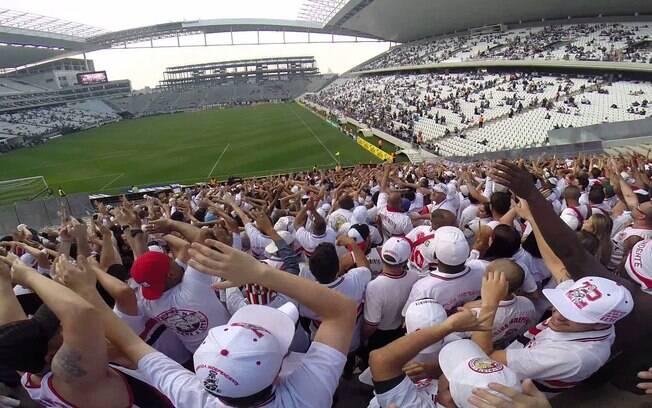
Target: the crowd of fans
pixel 52 120
pixel 625 42
pixel 427 108
pixel 486 285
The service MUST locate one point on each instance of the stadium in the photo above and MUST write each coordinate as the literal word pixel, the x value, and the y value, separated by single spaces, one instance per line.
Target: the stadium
pixel 559 88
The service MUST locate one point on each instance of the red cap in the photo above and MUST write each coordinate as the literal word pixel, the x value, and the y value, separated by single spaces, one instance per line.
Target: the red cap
pixel 150 271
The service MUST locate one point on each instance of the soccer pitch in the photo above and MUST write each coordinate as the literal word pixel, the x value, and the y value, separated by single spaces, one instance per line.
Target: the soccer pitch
pixel 186 148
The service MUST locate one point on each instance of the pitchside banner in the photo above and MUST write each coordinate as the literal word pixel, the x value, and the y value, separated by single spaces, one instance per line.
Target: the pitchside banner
pixel 374 150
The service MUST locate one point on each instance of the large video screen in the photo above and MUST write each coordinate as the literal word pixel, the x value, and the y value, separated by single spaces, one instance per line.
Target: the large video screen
pixel 90 78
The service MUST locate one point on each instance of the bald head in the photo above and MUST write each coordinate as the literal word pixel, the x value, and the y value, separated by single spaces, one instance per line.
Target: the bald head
pixel 442 218
pixel 394 200
pixel 513 273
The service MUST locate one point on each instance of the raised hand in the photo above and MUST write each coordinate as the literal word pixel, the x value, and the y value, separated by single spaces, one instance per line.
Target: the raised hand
pixel 78 277
pixel 494 288
pixel 500 396
pixel 513 177
pixel 160 226
pixel 523 210
pixel 218 259
pixel 466 320
pixel 263 223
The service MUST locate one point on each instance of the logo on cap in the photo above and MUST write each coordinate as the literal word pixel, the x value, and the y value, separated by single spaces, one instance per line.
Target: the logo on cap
pixel 581 296
pixel 485 366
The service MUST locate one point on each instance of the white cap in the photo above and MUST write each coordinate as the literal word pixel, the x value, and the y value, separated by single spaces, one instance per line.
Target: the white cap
pixel 28 259
pixel 591 300
pixel 155 248
pixel 245 356
pixel 451 246
pixel 283 224
pixel 440 188
pixel 570 218
pixel 464 189
pixel 360 215
pixel 639 265
pixel 422 314
pixel 271 248
pixel 326 207
pixel 396 251
pixel 467 367
pixel 294 189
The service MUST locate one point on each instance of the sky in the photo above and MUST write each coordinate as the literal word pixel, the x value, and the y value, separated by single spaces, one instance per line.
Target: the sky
pixel 144 67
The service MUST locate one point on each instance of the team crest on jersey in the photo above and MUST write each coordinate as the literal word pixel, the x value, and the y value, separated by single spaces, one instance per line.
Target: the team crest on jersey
pixel 586 293
pixel 185 322
pixel 485 366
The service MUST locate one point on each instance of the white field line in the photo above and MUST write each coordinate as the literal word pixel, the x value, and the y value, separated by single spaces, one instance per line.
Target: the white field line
pixel 314 134
pixel 218 161
pixel 112 181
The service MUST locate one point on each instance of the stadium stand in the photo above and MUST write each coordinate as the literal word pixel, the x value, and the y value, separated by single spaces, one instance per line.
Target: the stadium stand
pixel 623 42
pixel 517 109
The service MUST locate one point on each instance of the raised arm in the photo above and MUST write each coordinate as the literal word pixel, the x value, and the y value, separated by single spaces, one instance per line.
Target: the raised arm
pixel 562 240
pixel 387 363
pixel 10 309
pixel 237 268
pixel 81 362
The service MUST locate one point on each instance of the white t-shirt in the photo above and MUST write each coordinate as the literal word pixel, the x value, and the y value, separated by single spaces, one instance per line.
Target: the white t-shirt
pixel 309 241
pixel 375 262
pixel 190 309
pixel 559 360
pixel 338 218
pixel 352 285
pixel 450 290
pixel 157 335
pixel 421 238
pixel 257 241
pixel 311 384
pixel 619 243
pixel 513 318
pixel 409 395
pixel 394 223
pixel 385 298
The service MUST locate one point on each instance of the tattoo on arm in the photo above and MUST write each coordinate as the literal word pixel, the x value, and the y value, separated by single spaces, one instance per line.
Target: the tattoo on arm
pixel 67 364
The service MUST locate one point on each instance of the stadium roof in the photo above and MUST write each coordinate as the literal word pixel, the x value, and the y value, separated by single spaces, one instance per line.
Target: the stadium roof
pixel 409 20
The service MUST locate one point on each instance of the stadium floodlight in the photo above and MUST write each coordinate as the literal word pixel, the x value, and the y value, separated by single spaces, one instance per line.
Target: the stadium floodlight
pixel 36 22
pixel 320 11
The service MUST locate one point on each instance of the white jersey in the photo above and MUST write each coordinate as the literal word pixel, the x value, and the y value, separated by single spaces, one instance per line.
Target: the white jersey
pixel 385 298
pixel 619 243
pixel 394 222
pixel 421 238
pixel 375 262
pixel 558 361
pixel 450 290
pixel 311 384
pixel 46 396
pixel 257 241
pixel 352 285
pixel 308 241
pixel 408 394
pixel 513 318
pixel 338 218
pixel 189 309
pixel 533 273
pixel 157 335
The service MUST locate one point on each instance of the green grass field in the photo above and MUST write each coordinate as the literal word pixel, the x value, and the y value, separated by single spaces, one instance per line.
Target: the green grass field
pixel 186 148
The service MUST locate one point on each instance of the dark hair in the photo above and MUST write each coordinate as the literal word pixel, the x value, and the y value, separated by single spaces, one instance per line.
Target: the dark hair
pixel 319 226
pixel 363 229
pixel 501 202
pixel 531 245
pixel 409 195
pixel 374 197
pixel 596 172
pixel 596 195
pixel 24 343
pixel 583 179
pixel 506 243
pixel 324 263
pixel 589 241
pixel 346 202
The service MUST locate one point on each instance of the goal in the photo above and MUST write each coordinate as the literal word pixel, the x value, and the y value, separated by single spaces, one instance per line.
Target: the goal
pixel 23 189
